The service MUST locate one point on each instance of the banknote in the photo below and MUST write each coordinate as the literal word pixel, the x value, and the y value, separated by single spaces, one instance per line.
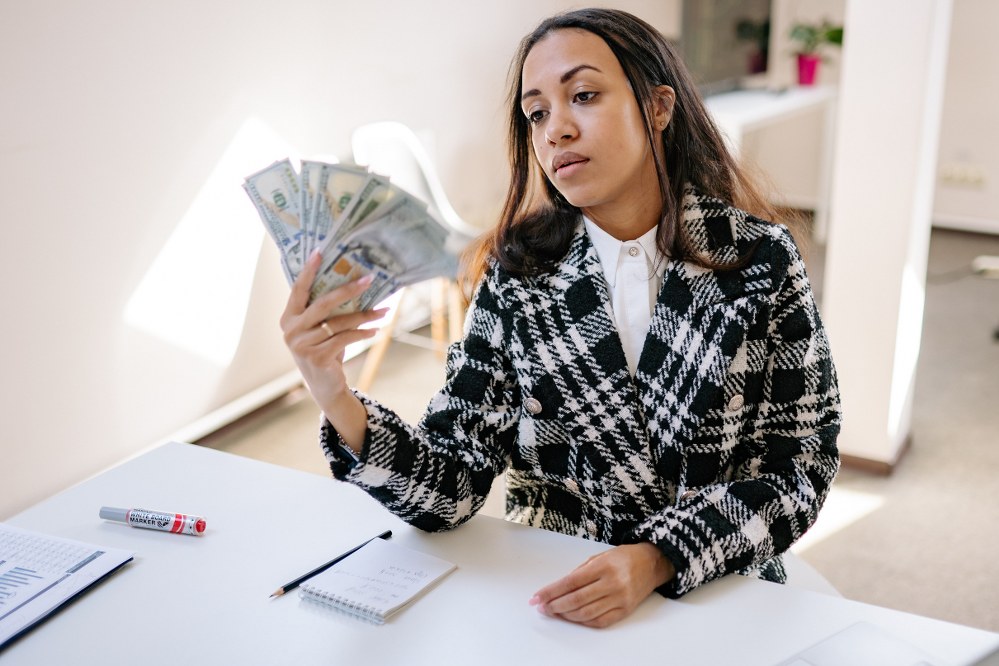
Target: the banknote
pixel 275 193
pixel 405 240
pixel 335 187
pixel 309 185
pixel 360 222
pixel 377 194
pixel 339 269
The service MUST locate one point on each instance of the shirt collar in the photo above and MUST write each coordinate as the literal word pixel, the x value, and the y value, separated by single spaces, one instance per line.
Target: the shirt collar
pixel 609 249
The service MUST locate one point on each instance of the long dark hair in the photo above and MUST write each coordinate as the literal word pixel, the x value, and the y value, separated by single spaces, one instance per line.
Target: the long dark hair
pixel 537 223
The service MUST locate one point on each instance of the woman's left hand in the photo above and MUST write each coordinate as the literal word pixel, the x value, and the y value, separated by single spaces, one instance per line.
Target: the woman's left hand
pixel 607 587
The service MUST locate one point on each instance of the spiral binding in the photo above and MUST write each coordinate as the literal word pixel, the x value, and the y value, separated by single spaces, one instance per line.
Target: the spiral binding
pixel 346 606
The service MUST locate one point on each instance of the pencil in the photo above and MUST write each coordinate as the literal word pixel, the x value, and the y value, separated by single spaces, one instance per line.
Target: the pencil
pixel 288 587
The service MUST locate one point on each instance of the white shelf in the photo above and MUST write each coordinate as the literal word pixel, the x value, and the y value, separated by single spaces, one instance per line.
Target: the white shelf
pixel 742 111
pixel 748 110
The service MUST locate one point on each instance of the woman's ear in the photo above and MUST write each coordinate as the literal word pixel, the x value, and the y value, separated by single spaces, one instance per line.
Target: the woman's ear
pixel 662 106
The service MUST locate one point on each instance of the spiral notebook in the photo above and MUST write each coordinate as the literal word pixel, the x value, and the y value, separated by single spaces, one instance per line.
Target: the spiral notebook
pixel 377 581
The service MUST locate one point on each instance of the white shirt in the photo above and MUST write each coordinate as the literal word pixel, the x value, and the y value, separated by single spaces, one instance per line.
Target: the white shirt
pixel 634 271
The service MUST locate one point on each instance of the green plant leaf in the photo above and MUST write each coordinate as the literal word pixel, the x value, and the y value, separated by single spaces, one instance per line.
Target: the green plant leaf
pixel 811 36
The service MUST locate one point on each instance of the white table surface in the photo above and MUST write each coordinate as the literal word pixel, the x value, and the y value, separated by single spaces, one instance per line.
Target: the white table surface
pixel 204 600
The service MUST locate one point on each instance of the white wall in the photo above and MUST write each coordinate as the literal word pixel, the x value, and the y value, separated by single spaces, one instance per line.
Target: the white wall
pixel 966 187
pixel 125 128
pixel 967 190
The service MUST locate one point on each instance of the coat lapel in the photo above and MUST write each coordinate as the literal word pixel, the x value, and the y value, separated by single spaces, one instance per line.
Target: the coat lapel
pixel 699 324
pixel 587 302
pixel 586 383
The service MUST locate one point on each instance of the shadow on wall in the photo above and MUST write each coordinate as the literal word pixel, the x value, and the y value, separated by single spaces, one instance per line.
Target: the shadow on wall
pixel 196 293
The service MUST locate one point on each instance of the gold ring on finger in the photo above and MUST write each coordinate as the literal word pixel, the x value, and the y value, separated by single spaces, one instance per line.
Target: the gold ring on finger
pixel 326 328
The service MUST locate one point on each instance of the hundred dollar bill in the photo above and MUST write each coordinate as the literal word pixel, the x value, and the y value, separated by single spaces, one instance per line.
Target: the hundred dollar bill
pixel 336 185
pixel 405 241
pixel 345 267
pixel 383 286
pixel 308 179
pixel 376 194
pixel 275 193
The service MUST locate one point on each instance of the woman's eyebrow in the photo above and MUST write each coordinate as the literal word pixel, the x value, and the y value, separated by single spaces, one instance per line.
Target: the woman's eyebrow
pixel 533 92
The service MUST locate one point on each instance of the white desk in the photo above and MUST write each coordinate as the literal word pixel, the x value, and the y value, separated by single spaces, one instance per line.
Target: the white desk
pixel 742 111
pixel 189 600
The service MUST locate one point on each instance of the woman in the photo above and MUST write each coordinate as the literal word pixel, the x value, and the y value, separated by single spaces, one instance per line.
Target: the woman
pixel 642 356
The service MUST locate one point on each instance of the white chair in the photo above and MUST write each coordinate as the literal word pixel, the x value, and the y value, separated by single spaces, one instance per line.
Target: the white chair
pixel 393 149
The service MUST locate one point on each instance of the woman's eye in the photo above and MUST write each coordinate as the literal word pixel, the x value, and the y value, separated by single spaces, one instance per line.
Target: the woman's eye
pixel 535 117
pixel 584 96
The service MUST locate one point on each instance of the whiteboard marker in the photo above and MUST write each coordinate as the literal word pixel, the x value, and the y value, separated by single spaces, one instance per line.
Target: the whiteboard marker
pixel 178 523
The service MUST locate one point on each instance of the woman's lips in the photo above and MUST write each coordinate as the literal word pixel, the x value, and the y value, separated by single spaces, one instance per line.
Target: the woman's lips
pixel 566 163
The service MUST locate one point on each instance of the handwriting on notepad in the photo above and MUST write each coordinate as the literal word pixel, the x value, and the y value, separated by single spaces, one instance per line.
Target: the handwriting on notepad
pixel 378 580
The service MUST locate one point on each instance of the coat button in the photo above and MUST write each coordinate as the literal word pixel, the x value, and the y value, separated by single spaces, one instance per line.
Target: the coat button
pixel 736 402
pixel 532 406
pixel 689 495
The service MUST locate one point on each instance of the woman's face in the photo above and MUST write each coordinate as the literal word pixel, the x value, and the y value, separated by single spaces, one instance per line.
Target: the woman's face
pixel 587 130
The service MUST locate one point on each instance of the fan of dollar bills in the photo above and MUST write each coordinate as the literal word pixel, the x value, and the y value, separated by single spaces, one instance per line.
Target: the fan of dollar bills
pixel 359 221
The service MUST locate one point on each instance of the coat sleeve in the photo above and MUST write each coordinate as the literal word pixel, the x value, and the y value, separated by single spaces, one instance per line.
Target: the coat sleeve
pixel 789 456
pixel 437 475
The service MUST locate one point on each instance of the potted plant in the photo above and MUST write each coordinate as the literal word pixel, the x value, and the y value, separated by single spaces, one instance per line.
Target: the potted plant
pixel 811 38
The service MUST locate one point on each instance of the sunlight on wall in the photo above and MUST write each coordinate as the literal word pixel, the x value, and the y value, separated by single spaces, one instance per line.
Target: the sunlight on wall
pixel 842 508
pixel 907 339
pixel 196 293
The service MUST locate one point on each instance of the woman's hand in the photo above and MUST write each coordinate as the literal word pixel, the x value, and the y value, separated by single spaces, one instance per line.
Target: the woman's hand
pixel 317 342
pixel 607 587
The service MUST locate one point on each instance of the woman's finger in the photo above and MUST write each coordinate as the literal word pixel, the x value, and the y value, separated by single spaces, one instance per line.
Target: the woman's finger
pixel 591 611
pixel 330 337
pixel 333 348
pixel 571 600
pixel 322 308
pixel 607 619
pixel 567 593
pixel 300 289
pixel 335 326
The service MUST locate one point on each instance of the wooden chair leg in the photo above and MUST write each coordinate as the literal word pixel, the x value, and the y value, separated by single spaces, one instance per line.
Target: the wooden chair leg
pixel 376 353
pixel 456 311
pixel 438 316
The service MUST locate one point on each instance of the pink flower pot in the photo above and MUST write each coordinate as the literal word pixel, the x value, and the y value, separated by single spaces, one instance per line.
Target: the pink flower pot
pixel 808 67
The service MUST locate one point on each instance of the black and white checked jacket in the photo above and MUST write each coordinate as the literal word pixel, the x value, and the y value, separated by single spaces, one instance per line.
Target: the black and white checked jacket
pixel 720 451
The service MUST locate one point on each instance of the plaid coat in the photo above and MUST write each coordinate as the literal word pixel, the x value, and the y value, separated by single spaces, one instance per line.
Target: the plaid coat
pixel 719 451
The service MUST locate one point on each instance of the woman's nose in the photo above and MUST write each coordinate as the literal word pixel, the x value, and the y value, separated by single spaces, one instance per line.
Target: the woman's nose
pixel 560 126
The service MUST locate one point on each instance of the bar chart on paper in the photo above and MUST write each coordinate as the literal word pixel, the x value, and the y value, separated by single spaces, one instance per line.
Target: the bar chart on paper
pixel 39 573
pixel 18 584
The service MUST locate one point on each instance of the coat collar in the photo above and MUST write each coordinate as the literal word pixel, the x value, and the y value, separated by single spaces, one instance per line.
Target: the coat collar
pixel 715 230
